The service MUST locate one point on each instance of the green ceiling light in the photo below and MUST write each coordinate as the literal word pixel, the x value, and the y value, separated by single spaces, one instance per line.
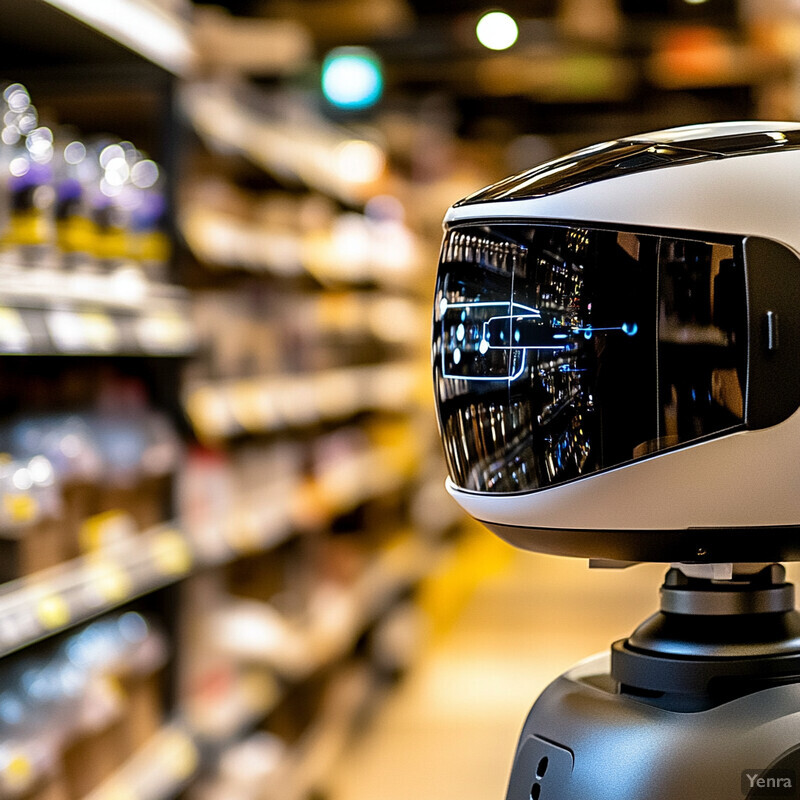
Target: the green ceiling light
pixel 497 30
pixel 352 78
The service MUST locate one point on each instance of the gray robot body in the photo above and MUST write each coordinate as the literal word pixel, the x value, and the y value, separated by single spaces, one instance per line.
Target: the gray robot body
pixel 603 745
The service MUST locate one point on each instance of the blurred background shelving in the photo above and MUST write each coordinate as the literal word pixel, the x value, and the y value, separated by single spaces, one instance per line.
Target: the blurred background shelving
pixel 224 534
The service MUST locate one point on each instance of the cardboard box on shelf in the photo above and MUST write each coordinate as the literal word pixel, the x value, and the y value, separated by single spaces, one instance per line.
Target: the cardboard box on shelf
pixel 93 757
pixel 143 715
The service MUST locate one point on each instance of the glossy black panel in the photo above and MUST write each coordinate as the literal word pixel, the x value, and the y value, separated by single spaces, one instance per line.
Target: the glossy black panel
pixel 774 299
pixel 560 351
pixel 702 336
pixel 613 159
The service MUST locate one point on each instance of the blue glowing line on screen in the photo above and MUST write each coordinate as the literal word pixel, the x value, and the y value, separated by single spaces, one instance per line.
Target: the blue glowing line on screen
pixel 536 315
pixel 470 378
pixel 628 328
pixel 484 346
pixel 445 304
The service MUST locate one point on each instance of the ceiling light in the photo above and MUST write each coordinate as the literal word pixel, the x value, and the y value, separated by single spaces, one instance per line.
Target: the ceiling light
pixel 352 78
pixel 497 30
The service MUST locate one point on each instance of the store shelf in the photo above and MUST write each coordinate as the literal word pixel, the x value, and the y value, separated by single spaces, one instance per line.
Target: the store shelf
pixel 54 313
pixel 281 134
pixel 255 632
pixel 56 599
pixel 307 764
pixel 158 771
pixel 351 249
pixel 146 27
pixel 59 598
pixel 123 290
pixel 267 404
pixel 366 473
pixel 102 679
pixel 264 519
pixel 265 766
pixel 245 705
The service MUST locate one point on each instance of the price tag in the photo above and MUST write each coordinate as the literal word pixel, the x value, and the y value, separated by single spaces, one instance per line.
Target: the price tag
pixel 67 331
pixel 178 755
pixel 82 331
pixel 100 331
pixel 20 508
pixel 14 335
pixel 111 582
pixel 53 612
pixel 102 530
pixel 209 412
pixel 17 773
pixel 171 554
pixel 249 406
pixel 166 332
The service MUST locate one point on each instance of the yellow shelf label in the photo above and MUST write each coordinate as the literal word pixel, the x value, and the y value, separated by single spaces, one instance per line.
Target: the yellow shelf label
pixel 171 554
pixel 178 755
pixel 20 507
pixel 100 332
pixel 112 583
pixel 247 403
pixel 100 530
pixel 164 331
pixel 14 335
pixel 53 611
pixel 18 772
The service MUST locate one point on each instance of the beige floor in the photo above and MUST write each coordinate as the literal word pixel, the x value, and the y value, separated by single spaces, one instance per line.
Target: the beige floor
pixel 449 732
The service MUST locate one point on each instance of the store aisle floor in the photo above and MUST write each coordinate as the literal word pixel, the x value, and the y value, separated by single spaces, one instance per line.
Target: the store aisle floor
pixel 449 731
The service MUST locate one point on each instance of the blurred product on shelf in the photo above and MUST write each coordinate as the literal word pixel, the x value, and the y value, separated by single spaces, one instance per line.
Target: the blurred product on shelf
pixel 67 478
pixel 266 404
pixel 221 698
pixel 29 491
pixel 115 446
pixel 290 237
pixel 351 589
pixel 265 766
pixel 239 503
pixel 289 331
pixel 83 243
pixel 254 499
pixel 96 206
pixel 247 768
pixel 70 715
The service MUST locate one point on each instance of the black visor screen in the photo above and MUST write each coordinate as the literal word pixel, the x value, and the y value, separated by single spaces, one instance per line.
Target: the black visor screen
pixel 560 351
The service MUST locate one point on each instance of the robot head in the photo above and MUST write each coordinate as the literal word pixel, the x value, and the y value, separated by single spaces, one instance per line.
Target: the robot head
pixel 616 349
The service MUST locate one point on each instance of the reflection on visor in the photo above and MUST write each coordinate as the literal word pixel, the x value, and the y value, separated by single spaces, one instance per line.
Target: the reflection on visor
pixel 471 331
pixel 561 351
